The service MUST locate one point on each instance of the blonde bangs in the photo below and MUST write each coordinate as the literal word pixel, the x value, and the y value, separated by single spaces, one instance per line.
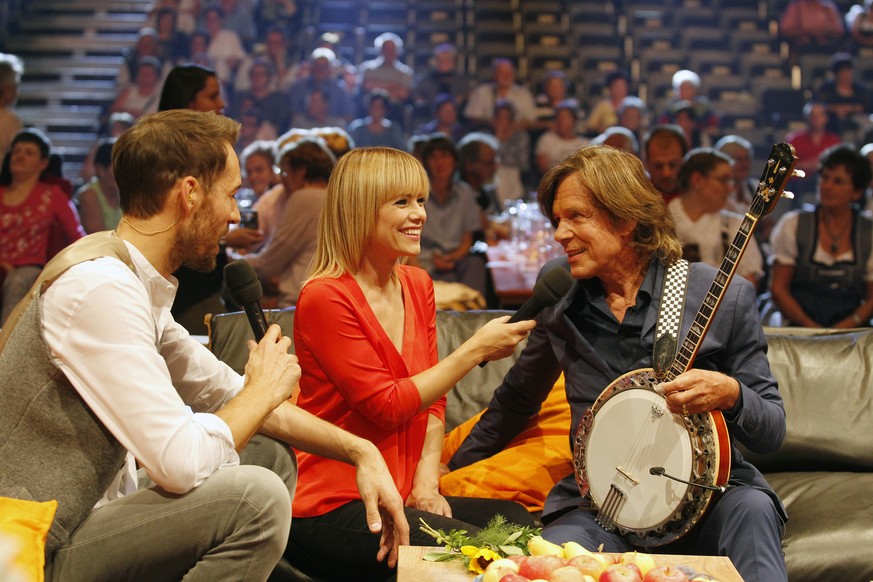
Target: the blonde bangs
pixel 362 181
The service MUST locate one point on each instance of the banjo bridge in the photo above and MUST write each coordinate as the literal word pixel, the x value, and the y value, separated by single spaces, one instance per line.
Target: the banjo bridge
pixel 627 476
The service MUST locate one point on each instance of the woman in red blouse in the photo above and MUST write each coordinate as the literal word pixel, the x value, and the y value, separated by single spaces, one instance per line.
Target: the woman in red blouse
pixel 32 212
pixel 365 336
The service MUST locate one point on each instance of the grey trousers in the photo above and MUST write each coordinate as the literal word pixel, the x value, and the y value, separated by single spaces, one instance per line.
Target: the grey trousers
pixel 234 526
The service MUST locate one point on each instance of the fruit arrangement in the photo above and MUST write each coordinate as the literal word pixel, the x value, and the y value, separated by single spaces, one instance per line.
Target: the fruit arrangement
pixel 571 562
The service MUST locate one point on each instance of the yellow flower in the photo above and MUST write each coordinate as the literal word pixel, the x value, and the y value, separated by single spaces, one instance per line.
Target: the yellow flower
pixel 479 557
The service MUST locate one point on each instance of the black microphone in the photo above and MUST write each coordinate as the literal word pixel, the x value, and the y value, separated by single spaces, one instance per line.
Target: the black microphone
pixel 661 471
pixel 548 291
pixel 245 288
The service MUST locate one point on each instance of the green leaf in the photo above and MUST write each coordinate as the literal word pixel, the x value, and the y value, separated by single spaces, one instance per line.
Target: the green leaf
pixel 512 550
pixel 440 556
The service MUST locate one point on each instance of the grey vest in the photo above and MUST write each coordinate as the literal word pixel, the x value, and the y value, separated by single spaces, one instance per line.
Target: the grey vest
pixel 51 444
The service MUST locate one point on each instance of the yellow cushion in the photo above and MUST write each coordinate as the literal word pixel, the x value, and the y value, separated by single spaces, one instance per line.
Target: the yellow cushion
pixel 27 523
pixel 529 466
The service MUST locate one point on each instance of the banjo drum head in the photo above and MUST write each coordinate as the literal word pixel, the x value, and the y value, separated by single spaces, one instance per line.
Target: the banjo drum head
pixel 632 432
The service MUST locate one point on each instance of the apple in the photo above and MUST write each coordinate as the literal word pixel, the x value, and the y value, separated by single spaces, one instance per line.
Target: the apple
pixel 644 562
pixel 498 569
pixel 587 564
pixel 620 573
pixel 566 574
pixel 541 566
pixel 514 578
pixel 539 546
pixel 519 559
pixel 666 574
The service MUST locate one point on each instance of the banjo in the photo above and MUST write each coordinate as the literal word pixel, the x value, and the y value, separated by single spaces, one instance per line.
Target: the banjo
pixel 651 474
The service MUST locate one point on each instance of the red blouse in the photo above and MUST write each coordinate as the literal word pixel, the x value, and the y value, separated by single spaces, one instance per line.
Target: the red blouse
pixel 354 377
pixel 25 228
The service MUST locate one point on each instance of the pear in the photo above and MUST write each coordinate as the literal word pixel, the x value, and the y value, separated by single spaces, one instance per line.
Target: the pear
pixel 538 546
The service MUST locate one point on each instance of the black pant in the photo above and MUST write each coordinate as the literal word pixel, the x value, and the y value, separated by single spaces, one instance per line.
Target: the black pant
pixel 339 546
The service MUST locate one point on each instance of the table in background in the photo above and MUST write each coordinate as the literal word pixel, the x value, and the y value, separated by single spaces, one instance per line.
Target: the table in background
pixel 411 568
pixel 512 283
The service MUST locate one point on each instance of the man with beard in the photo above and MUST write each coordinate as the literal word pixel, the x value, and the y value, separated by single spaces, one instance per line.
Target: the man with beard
pixel 96 377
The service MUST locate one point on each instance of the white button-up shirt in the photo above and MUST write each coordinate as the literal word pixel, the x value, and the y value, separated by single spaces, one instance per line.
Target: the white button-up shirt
pixel 153 386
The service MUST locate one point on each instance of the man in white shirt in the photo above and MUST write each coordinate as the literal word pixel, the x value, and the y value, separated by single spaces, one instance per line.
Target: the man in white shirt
pixel 98 377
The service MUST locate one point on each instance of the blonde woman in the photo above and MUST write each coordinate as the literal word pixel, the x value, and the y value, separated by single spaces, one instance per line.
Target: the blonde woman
pixel 365 333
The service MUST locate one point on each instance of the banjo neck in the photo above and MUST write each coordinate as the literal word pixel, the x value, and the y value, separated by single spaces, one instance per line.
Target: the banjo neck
pixel 780 166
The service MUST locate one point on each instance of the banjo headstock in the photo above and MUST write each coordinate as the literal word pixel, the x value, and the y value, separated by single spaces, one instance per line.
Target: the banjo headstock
pixel 780 167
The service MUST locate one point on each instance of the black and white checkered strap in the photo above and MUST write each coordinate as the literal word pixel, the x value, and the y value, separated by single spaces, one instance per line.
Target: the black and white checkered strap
pixel 670 316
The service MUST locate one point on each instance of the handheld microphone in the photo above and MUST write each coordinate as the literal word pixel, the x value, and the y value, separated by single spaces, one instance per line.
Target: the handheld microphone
pixel 547 292
pixel 246 290
pixel 663 473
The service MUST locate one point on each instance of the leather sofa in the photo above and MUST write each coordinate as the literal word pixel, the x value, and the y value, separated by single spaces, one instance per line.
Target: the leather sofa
pixel 823 472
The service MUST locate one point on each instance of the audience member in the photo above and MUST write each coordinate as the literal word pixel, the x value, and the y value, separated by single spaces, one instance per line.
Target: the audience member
pixel 276 51
pixel 481 108
pixel 445 118
pixel 859 21
pixel 620 138
pixel 97 199
pixel 321 76
pixel 634 115
pixel 477 166
pixel 365 334
pixel 619 241
pixel 705 229
pixel 811 142
pixel 146 46
pixel 143 95
pixel 452 218
pixel 100 320
pixel 195 87
pixel 258 164
pixel 305 166
pixel 514 154
pixel 664 147
pixel 686 87
pixel 442 77
pixel 172 44
pixel 187 10
pixel 605 113
pixel 388 73
pixel 239 17
pixel 284 13
pixel 740 150
pixel 11 69
pixel 812 24
pixel 561 140
pixel 30 210
pixel 683 115
pixel 845 97
pixel 253 127
pixel 316 112
pixel 263 95
pixel 117 124
pixel 823 268
pixel 554 91
pixel 376 129
pixel 225 49
pixel 192 86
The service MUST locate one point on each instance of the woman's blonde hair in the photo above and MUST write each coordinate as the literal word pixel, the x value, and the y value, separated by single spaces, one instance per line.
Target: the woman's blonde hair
pixel 619 187
pixel 361 182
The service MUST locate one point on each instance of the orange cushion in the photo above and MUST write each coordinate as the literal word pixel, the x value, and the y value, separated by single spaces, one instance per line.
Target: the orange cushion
pixel 26 524
pixel 527 468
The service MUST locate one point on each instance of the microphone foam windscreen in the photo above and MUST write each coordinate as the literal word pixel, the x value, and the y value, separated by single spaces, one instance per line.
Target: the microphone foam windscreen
pixel 242 282
pixel 552 286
